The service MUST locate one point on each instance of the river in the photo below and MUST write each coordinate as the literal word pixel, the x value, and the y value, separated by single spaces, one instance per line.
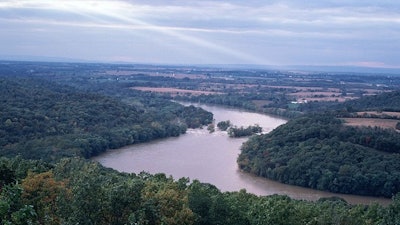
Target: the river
pixel 211 158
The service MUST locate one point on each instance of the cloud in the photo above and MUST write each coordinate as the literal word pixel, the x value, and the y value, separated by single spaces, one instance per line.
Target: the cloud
pixel 279 32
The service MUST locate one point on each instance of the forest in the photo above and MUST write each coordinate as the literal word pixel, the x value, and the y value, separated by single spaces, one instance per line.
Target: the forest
pixel 320 152
pixel 75 191
pixel 55 116
pixel 43 120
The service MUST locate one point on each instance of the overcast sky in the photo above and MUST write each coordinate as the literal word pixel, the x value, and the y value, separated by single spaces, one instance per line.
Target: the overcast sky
pixel 307 32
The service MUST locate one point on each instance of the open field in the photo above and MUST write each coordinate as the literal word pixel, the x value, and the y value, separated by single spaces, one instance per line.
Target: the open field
pixel 320 96
pixel 372 122
pixel 379 114
pixel 325 99
pixel 175 91
pixel 177 75
pixel 267 86
pixel 309 89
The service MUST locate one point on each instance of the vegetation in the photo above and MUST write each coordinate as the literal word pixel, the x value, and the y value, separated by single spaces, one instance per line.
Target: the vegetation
pixel 44 120
pixel 75 191
pixel 242 132
pixel 389 101
pixel 320 152
pixel 53 115
pixel 234 131
pixel 211 128
pixel 224 125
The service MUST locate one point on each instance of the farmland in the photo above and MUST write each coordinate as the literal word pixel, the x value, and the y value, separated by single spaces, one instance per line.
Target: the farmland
pixel 174 91
pixel 372 122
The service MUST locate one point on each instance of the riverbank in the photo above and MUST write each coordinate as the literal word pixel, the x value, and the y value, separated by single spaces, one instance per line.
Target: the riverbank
pixel 211 158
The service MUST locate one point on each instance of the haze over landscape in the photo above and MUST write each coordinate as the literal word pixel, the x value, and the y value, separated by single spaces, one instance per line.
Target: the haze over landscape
pixel 279 33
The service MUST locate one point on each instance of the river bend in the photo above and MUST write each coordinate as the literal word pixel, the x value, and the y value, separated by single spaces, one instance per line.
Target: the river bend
pixel 211 158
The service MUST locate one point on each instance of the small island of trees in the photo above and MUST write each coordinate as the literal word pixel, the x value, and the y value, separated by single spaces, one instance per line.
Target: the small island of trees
pixel 242 131
pixel 235 132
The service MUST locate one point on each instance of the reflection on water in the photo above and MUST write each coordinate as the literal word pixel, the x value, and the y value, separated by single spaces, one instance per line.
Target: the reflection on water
pixel 211 158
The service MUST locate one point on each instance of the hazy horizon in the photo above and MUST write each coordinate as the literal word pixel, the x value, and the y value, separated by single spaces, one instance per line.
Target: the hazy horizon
pixel 277 33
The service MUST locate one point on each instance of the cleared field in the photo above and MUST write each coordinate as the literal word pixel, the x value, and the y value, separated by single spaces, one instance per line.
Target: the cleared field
pixel 320 96
pixel 175 91
pixel 372 122
pixel 311 94
pixel 179 75
pixel 325 99
pixel 299 88
pixel 380 114
pixel 120 72
pixel 161 74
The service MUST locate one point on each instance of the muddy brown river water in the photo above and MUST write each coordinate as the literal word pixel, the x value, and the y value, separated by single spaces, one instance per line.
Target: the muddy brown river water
pixel 211 158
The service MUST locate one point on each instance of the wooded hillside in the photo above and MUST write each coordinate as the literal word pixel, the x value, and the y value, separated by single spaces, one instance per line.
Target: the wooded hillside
pixel 319 151
pixel 40 119
pixel 74 191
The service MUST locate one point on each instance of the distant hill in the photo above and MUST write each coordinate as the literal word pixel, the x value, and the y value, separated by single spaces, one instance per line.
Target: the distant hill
pixel 345 69
pixel 297 68
pixel 28 58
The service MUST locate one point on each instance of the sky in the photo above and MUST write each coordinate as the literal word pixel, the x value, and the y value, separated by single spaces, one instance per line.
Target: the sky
pixel 299 32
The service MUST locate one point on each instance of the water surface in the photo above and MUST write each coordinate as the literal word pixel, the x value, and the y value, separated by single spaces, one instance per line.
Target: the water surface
pixel 211 158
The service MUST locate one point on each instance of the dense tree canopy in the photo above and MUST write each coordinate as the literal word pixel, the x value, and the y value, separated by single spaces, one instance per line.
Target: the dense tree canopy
pixel 76 191
pixel 389 101
pixel 44 120
pixel 235 131
pixel 320 152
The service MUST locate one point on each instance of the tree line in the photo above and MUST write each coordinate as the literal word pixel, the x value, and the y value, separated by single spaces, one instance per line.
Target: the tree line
pixel 235 131
pixel 41 119
pixel 320 152
pixel 74 191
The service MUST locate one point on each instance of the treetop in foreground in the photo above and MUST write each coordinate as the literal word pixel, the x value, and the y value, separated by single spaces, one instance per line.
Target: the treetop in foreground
pixel 74 191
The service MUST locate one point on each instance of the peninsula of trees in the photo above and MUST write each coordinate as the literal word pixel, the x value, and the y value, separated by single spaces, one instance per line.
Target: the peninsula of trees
pixel 44 120
pixel 320 151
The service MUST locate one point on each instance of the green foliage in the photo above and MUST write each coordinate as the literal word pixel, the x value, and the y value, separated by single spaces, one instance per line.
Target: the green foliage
pixel 12 209
pixel 319 152
pixel 7 176
pixel 242 132
pixel 276 210
pixel 389 101
pixel 201 200
pixel 224 125
pixel 230 99
pixel 392 214
pixel 196 117
pixel 234 131
pixel 44 120
pixel 77 191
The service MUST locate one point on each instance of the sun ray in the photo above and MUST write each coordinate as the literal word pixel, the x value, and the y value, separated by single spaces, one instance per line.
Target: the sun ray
pixel 123 15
